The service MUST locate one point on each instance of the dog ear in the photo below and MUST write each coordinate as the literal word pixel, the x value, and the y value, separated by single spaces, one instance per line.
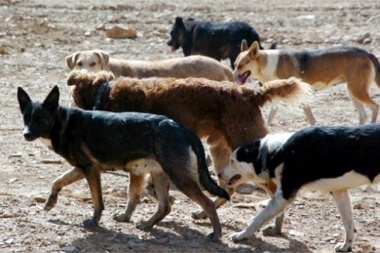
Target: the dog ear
pixel 51 101
pixel 244 46
pixel 103 57
pixel 23 98
pixel 254 50
pixel 70 60
pixel 178 21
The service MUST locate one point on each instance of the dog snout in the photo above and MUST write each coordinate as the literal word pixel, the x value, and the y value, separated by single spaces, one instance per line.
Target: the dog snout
pixel 28 135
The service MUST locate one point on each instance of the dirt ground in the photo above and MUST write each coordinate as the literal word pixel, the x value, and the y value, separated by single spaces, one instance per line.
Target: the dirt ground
pixel 35 37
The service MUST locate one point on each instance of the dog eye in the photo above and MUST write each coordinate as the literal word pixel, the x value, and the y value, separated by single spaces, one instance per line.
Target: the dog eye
pixel 93 64
pixel 80 64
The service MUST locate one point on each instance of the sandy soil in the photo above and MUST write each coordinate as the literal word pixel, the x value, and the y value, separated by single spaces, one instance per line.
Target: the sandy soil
pixel 35 37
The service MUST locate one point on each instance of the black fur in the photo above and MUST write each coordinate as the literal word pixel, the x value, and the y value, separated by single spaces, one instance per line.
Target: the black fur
pixel 216 40
pixel 320 152
pixel 98 140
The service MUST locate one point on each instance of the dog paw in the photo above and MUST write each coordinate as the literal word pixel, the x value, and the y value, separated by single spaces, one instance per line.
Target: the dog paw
pixel 121 217
pixel 213 237
pixel 143 225
pixel 198 215
pixel 88 223
pixel 343 247
pixel 50 203
pixel 239 236
pixel 271 230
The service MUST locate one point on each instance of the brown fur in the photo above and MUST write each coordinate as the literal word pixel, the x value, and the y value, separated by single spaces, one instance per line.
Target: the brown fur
pixel 321 68
pixel 194 66
pixel 225 114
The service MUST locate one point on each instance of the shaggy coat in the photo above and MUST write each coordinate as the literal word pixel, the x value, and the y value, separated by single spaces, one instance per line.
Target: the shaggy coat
pixel 225 114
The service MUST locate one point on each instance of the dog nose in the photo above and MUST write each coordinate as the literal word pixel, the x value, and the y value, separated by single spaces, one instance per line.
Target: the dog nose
pixel 27 134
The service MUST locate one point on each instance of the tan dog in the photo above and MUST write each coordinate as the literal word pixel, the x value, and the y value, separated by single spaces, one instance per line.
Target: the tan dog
pixel 194 66
pixel 321 68
pixel 223 113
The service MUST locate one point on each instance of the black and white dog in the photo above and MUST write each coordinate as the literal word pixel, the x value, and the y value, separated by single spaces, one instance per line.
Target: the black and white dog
pixel 140 143
pixel 333 159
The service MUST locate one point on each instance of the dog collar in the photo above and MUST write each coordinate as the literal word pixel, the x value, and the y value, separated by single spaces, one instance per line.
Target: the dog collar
pixel 101 95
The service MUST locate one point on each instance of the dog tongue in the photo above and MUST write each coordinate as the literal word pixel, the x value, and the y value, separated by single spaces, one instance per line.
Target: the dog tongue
pixel 243 78
pixel 234 179
pixel 172 49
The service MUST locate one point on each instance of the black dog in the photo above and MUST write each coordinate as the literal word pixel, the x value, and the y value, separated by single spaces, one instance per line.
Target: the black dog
pixel 140 143
pixel 216 40
pixel 332 159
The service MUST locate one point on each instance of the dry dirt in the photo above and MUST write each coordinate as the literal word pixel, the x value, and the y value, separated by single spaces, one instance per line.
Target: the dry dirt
pixel 35 37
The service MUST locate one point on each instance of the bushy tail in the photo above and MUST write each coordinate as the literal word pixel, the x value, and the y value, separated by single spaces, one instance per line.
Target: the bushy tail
pixel 290 92
pixel 204 175
pixel 376 64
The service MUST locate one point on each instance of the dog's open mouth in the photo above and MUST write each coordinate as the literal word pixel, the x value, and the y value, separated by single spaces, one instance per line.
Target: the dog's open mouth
pixel 234 179
pixel 243 77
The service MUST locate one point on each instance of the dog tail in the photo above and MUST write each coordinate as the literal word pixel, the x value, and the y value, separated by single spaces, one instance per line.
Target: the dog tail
pixel 376 64
pixel 204 175
pixel 290 92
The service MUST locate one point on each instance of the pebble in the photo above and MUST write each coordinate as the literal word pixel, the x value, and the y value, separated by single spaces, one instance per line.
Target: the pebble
pixel 121 32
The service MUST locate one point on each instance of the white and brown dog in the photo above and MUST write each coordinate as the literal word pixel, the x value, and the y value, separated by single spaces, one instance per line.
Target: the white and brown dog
pixel 332 159
pixel 194 66
pixel 321 68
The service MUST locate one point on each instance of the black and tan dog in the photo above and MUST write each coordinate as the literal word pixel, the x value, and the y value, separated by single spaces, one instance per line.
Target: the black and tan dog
pixel 331 159
pixel 216 40
pixel 322 68
pixel 224 114
pixel 140 143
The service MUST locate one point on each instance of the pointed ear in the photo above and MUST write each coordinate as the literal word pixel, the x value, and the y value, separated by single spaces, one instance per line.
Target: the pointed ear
pixel 23 98
pixel 243 46
pixel 178 21
pixel 254 50
pixel 51 101
pixel 103 57
pixel 71 59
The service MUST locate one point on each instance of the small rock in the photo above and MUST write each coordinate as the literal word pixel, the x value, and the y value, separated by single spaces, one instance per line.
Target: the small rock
pixel 3 51
pixel 245 188
pixel 68 248
pixel 87 33
pixel 40 199
pixel 367 41
pixel 121 32
pixel 12 180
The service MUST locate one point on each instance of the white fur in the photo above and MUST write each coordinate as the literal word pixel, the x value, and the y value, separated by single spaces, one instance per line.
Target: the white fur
pixel 143 166
pixel 269 71
pixel 347 181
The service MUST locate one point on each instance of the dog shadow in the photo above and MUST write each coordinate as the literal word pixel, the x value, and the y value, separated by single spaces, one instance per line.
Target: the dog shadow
pixel 170 236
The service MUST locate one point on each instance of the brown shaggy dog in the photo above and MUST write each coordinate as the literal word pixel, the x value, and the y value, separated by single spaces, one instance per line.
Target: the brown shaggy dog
pixel 224 114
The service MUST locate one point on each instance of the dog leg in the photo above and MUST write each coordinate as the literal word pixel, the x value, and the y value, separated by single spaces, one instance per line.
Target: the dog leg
pixel 343 201
pixel 136 186
pixel 162 184
pixel 190 188
pixel 67 178
pixel 92 175
pixel 272 114
pixel 272 229
pixel 309 114
pixel 359 107
pixel 275 207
